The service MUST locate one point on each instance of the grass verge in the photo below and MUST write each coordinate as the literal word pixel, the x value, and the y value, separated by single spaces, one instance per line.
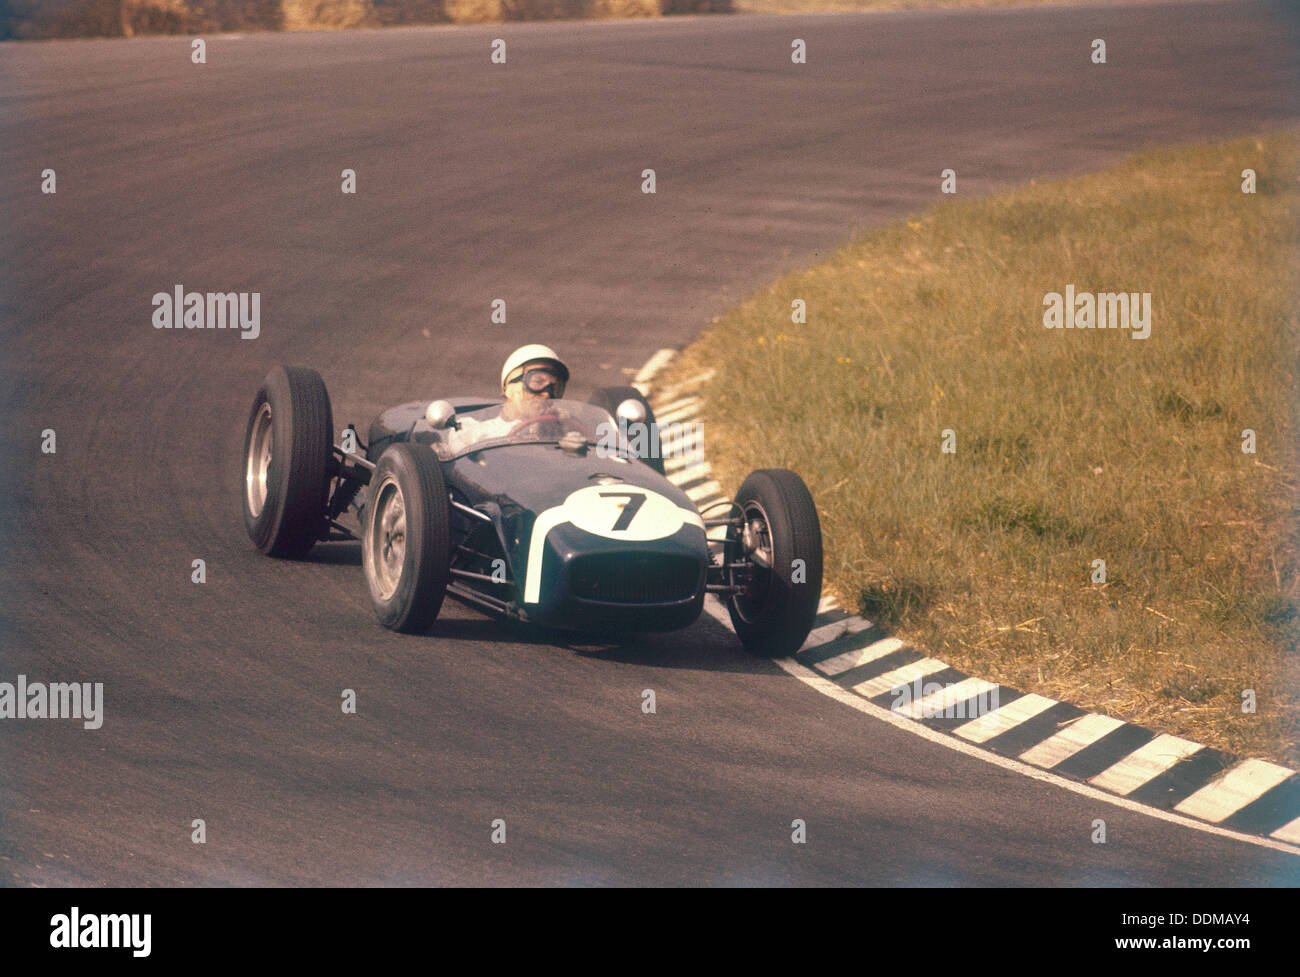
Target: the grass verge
pixel 1071 445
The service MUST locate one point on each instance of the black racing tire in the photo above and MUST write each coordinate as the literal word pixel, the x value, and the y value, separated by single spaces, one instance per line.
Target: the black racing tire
pixel 406 538
pixel 610 397
pixel 288 462
pixel 774 617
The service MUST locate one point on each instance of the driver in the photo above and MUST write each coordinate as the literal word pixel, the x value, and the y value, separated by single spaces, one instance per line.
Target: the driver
pixel 531 376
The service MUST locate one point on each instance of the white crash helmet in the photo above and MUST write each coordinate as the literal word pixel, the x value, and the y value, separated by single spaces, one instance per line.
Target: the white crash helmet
pixel 529 354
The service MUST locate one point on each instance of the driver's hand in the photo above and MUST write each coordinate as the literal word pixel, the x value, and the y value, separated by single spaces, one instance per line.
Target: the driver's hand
pixel 552 430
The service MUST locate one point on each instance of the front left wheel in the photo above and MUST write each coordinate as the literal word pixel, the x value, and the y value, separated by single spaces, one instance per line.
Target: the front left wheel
pixel 406 538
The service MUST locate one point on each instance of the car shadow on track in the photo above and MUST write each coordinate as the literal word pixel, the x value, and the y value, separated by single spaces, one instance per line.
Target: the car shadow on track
pixel 346 553
pixel 704 646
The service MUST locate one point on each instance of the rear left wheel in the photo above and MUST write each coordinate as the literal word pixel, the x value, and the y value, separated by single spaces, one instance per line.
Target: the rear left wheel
pixel 288 462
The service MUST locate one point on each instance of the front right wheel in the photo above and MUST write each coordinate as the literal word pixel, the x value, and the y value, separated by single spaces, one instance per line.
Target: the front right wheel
pixel 781 541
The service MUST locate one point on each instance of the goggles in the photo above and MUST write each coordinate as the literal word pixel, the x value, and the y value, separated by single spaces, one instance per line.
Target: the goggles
pixel 540 380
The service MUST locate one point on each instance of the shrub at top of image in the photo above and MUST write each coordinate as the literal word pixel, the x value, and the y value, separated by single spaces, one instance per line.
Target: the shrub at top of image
pixel 35 19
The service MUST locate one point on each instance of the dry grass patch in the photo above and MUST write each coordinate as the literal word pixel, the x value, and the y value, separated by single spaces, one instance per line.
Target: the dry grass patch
pixel 327 14
pixel 1072 445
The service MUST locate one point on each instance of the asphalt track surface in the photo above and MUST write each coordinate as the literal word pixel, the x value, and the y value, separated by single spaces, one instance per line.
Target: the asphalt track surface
pixel 222 700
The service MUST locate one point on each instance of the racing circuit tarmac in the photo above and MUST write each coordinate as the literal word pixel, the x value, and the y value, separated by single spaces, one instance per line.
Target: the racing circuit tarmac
pixel 479 181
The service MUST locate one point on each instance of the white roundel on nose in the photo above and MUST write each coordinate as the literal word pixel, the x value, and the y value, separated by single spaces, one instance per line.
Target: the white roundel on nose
pixel 614 511
pixel 621 511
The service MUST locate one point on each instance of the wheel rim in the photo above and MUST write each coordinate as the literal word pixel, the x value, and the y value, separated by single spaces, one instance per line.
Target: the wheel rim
pixel 386 543
pixel 258 467
pixel 756 544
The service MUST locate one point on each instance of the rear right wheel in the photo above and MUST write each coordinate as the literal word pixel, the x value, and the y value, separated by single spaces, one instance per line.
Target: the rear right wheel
pixel 611 398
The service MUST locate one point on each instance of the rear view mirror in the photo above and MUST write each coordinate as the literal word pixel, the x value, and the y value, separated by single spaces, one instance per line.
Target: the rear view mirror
pixel 440 414
pixel 631 411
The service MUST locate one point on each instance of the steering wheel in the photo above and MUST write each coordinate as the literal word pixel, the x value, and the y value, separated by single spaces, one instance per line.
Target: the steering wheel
pixel 529 421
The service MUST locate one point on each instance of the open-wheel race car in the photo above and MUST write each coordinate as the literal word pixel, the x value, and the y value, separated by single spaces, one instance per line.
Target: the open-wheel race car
pixel 543 512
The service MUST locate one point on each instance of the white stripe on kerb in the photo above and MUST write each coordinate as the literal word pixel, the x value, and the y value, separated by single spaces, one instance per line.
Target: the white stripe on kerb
pixel 675 463
pixel 860 656
pixel 681 442
pixel 1288 832
pixel 943 701
pixel 899 676
pixel 1069 741
pixel 653 366
pixel 692 383
pixel 682 411
pixel 688 473
pixel 708 490
pixel 1245 782
pixel 685 404
pixel 828 604
pixel 827 633
pixel 1145 764
pixel 1007 717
